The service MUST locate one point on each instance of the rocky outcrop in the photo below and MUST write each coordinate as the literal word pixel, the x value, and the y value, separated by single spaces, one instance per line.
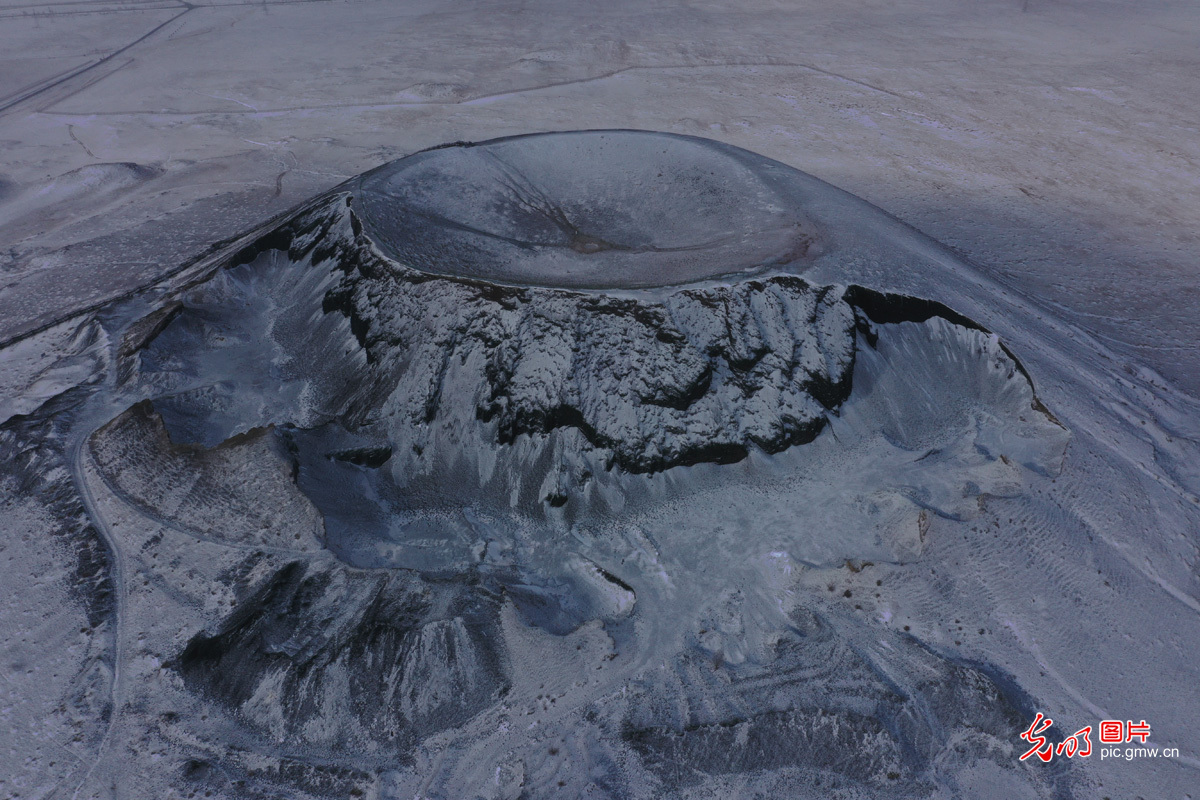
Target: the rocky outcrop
pixel 322 655
pixel 699 375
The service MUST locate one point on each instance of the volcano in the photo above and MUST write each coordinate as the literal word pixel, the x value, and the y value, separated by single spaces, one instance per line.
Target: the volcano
pixel 521 453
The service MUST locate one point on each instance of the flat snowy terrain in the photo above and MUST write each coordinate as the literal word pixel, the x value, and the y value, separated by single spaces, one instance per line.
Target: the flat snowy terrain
pixel 222 578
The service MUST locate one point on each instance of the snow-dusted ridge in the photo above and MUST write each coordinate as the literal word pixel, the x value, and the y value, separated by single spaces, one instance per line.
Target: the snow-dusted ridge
pixel 533 394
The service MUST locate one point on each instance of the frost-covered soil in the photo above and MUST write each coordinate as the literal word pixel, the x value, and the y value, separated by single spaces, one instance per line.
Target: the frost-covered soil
pixel 834 519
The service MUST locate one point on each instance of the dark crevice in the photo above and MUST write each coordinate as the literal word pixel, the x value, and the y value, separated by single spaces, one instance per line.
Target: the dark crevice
pixel 887 308
pixel 369 457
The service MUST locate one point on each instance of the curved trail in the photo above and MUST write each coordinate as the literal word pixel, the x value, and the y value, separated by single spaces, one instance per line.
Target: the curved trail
pixel 77 456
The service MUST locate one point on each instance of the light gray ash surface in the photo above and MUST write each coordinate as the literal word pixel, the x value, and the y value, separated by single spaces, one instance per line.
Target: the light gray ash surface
pixel 493 474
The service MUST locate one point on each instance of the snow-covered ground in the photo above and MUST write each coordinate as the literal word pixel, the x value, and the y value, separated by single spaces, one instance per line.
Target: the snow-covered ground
pixel 1055 145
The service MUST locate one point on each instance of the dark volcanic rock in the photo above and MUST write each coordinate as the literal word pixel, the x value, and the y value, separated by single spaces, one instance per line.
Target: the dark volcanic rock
pixel 350 660
pixel 700 375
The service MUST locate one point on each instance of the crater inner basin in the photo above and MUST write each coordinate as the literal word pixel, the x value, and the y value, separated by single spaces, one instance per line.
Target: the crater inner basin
pixel 591 209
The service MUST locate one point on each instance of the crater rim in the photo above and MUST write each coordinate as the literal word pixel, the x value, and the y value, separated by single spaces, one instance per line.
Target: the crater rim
pixel 604 209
